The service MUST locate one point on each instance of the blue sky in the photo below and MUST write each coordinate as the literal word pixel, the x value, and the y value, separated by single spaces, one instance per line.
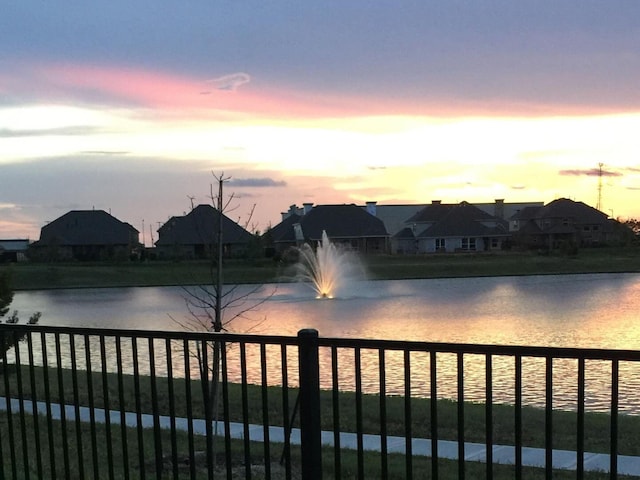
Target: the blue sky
pixel 129 106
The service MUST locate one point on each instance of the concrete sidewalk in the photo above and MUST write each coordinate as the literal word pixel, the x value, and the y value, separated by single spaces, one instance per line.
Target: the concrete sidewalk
pixel 474 452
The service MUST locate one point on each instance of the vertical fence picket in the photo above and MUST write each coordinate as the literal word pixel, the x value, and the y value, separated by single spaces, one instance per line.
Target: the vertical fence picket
pixel 47 400
pixel 62 406
pixel 34 409
pixel 123 411
pixel 548 423
pixel 489 415
pixel 138 406
pixel 518 416
pixel 189 402
pixel 580 420
pixel 384 465
pixel 7 396
pixel 613 454
pixel 461 463
pixel 408 430
pixel 286 422
pixel 157 433
pixel 266 421
pixel 359 435
pixel 245 410
pixel 168 346
pixel 226 410
pixel 433 375
pixel 21 412
pixel 335 392
pixel 106 406
pixel 76 405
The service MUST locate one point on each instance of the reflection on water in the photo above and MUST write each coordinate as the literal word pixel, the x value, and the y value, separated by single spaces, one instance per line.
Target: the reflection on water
pixel 593 311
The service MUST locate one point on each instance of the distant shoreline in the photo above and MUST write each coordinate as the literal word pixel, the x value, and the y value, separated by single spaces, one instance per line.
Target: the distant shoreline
pixel 40 276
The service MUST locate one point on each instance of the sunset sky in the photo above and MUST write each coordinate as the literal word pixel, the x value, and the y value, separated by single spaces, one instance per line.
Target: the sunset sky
pixel 130 106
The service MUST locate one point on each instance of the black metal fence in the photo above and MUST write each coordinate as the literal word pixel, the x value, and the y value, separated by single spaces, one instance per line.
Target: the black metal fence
pixel 100 403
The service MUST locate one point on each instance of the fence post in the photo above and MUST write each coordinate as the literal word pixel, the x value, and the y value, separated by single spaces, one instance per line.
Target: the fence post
pixel 310 432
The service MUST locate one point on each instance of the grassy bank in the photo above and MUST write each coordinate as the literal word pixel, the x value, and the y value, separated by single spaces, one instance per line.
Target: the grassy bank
pixel 77 458
pixel 83 446
pixel 533 419
pixel 78 275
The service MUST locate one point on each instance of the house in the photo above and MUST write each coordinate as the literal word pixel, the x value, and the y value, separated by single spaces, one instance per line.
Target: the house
pixel 13 250
pixel 394 217
pixel 561 222
pixel 86 235
pixel 402 236
pixel 463 227
pixel 195 235
pixel 348 225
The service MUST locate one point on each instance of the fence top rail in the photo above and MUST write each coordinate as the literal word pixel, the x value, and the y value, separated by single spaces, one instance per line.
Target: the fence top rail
pixel 372 344
pixel 151 334
pixel 484 349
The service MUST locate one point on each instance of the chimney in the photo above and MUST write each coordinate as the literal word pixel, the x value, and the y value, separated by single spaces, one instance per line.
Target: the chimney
pixel 371 208
pixel 307 207
pixel 499 208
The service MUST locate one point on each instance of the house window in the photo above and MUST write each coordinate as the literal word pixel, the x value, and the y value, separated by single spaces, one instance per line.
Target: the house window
pixel 495 243
pixel 596 228
pixel 468 243
pixel 441 244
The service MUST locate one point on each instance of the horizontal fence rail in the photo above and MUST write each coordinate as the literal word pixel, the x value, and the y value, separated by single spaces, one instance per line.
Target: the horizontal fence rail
pixel 104 403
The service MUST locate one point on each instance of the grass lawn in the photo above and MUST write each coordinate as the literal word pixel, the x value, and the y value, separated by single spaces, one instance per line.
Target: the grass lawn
pixel 564 433
pixel 78 275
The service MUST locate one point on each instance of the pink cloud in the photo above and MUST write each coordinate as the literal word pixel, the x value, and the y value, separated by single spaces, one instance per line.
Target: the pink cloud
pixel 237 93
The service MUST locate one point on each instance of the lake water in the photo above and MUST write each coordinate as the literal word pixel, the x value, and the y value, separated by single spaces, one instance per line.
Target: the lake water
pixel 596 311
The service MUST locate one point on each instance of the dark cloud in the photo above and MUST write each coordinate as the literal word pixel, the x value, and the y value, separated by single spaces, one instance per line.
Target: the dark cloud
pixel 589 172
pixel 257 182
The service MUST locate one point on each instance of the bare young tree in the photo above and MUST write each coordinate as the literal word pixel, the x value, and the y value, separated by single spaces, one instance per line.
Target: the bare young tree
pixel 213 307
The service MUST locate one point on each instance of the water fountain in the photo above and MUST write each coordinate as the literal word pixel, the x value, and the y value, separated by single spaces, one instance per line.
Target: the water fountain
pixel 329 269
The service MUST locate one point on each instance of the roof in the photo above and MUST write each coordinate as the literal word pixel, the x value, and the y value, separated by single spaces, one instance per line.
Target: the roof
pixel 431 213
pixel 87 227
pixel 465 220
pixel 565 208
pixel 283 232
pixel 200 227
pixel 339 221
pixel 395 217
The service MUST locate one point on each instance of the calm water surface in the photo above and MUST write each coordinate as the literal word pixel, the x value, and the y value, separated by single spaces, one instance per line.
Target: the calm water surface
pixel 598 311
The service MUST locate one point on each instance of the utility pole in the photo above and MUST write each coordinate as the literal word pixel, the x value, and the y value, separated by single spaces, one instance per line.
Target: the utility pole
pixel 599 204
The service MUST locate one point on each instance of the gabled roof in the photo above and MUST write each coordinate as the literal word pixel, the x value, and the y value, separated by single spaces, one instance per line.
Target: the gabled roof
pixel 562 208
pixel 200 226
pixel 565 208
pixel 395 217
pixel 283 232
pixel 339 221
pixel 87 227
pixel 465 220
pixel 405 233
pixel 431 213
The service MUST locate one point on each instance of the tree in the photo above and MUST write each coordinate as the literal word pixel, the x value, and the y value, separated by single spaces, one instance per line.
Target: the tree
pixel 207 305
pixel 9 339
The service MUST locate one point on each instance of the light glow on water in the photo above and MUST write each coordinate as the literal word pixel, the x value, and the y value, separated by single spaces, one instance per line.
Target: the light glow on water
pixel 587 311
